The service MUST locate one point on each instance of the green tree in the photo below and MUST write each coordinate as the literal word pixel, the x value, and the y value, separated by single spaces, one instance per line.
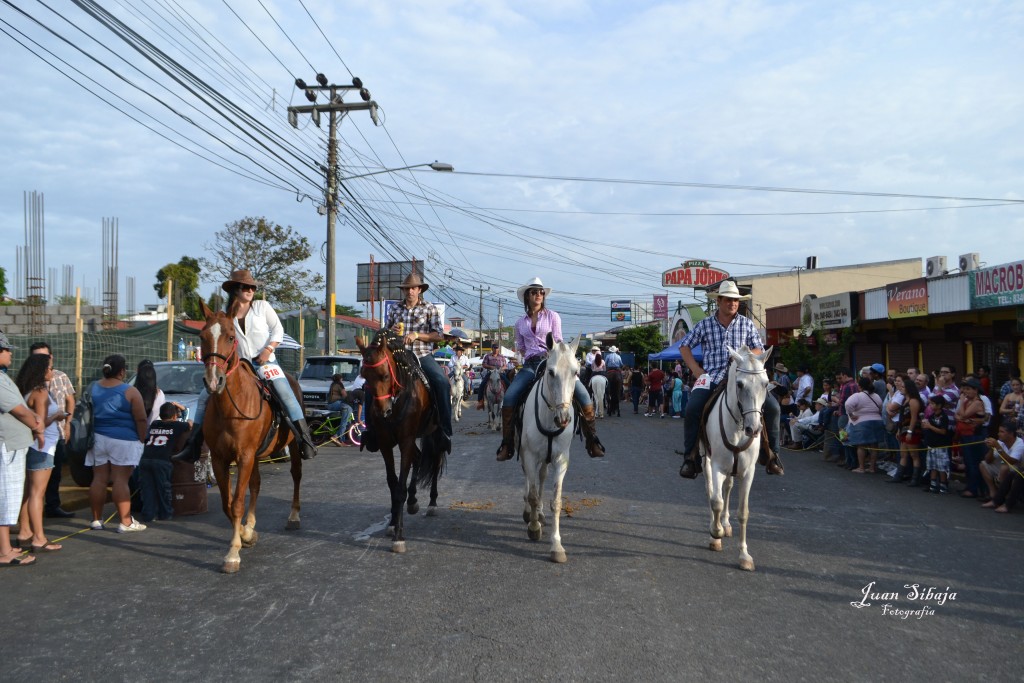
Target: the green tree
pixel 185 276
pixel 350 311
pixel 821 358
pixel 216 300
pixel 62 300
pixel 274 254
pixel 642 341
pixel 3 283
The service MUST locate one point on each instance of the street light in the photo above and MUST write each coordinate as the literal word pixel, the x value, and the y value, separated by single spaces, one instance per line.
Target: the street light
pixel 330 340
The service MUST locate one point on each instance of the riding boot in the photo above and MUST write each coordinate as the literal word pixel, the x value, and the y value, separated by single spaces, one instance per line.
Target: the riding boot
pixel 897 475
pixel 770 460
pixel 508 430
pixel 589 428
pixel 193 447
pixel 480 405
pixel 301 430
pixel 691 465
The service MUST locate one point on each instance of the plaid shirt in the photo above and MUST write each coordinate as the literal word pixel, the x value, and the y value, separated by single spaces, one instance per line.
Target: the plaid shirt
pixel 420 318
pixel 713 339
pixel 846 391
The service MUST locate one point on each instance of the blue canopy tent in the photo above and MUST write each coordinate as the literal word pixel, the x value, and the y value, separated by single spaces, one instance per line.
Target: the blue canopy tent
pixel 672 353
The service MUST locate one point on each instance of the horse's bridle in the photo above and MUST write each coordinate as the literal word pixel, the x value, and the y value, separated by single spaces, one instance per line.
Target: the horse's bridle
pixel 211 359
pixel 745 444
pixel 391 372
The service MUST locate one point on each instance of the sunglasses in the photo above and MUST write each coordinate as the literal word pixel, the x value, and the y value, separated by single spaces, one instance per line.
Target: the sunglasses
pixel 535 292
pixel 247 288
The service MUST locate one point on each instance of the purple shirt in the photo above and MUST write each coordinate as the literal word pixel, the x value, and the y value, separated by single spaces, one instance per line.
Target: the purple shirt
pixel 532 342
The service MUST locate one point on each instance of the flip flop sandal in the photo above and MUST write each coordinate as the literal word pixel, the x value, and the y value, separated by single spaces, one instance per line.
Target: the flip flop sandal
pixel 47 548
pixel 17 562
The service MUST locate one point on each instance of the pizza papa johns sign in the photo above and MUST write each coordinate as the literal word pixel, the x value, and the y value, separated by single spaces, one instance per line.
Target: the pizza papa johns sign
pixel 693 274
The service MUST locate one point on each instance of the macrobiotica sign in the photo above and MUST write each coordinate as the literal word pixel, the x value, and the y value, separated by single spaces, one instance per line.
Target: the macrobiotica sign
pixel 998 286
pixel 693 274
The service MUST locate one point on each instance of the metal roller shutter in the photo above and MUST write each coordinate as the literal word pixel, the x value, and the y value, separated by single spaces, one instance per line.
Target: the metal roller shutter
pixel 938 353
pixel 902 356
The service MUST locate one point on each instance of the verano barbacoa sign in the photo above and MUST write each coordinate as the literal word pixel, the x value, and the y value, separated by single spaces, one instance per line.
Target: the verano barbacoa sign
pixel 693 274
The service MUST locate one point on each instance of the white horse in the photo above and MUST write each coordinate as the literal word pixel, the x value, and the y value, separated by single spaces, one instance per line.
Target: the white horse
pixel 457 382
pixel 544 438
pixel 733 441
pixel 494 393
pixel 599 385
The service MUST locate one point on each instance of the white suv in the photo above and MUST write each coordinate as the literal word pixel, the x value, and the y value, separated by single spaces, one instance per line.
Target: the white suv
pixel 316 375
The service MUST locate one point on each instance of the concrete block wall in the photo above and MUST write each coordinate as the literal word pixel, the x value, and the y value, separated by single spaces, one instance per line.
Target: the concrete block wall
pixel 16 320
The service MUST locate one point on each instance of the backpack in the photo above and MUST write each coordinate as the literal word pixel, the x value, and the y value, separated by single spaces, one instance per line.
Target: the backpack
pixel 81 439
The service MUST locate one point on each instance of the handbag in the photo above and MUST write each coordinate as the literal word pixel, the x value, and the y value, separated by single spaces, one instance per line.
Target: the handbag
pixel 81 439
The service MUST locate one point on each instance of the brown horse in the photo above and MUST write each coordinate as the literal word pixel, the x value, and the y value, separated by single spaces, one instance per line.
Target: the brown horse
pixel 400 412
pixel 240 427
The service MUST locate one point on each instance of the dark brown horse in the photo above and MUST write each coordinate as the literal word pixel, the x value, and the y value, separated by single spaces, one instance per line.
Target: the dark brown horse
pixel 400 412
pixel 240 427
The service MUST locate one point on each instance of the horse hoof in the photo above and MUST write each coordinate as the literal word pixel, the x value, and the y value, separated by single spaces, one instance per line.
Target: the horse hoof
pixel 728 532
pixel 398 547
pixel 432 511
pixel 231 567
pixel 526 516
pixel 251 542
pixel 292 525
pixel 715 544
pixel 534 534
pixel 558 556
pixel 413 508
pixel 747 565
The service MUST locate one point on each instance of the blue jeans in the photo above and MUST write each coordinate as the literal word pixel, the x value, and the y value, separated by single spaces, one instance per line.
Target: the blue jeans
pixel 155 489
pixel 516 392
pixel 973 449
pixel 635 393
pixel 695 407
pixel 346 413
pixel 442 390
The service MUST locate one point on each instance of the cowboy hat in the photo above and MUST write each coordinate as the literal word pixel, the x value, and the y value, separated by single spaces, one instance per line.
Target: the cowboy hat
pixel 821 401
pixel 241 276
pixel 779 367
pixel 613 349
pixel 729 290
pixel 535 283
pixel 414 280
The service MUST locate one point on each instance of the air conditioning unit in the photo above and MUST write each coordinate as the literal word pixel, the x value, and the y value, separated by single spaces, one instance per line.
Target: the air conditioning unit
pixel 936 266
pixel 970 261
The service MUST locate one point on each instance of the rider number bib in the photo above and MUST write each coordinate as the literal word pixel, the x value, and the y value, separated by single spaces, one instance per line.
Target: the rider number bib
pixel 270 371
pixel 703 382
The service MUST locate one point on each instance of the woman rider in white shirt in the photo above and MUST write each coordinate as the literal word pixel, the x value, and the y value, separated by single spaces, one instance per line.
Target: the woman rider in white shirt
pixel 258 331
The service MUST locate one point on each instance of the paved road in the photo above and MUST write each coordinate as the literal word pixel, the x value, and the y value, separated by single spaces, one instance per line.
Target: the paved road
pixel 641 597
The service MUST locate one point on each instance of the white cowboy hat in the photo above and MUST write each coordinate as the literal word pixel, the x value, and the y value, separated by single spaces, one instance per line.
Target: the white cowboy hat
pixel 613 349
pixel 535 283
pixel 729 290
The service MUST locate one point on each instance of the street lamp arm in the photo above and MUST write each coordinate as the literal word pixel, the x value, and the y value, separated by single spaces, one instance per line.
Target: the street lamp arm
pixel 437 166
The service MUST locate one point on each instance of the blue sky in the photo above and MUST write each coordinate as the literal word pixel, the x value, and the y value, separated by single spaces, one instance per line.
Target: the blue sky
pixel 909 98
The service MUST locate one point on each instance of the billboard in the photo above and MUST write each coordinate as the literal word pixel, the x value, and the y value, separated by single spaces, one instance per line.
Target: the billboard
pixel 832 312
pixel 907 299
pixel 622 311
pixel 384 278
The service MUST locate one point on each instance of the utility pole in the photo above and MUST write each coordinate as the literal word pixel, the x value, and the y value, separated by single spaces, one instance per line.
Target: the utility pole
pixel 480 318
pixel 333 107
pixel 501 321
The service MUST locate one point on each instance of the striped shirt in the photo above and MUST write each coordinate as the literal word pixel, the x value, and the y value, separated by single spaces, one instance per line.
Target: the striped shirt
pixel 422 317
pixel 713 338
pixel 532 342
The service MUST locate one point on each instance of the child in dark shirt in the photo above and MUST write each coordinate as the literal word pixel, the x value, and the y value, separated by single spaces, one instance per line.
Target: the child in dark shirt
pixel 937 434
pixel 166 437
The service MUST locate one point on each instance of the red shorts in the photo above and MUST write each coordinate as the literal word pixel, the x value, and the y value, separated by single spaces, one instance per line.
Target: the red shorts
pixel 912 439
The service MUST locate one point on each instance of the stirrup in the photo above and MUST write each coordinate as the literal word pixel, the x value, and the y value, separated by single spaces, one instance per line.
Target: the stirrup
pixel 510 451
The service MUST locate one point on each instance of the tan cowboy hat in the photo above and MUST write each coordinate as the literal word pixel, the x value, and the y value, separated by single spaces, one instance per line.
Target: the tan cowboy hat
pixel 535 283
pixel 613 349
pixel 240 277
pixel 414 280
pixel 729 290
pixel 821 401
pixel 779 367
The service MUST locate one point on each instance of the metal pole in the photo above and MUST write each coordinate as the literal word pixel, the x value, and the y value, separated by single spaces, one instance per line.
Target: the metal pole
pixel 332 213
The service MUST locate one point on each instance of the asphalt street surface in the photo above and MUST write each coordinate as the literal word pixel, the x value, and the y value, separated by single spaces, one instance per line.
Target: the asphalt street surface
pixel 640 598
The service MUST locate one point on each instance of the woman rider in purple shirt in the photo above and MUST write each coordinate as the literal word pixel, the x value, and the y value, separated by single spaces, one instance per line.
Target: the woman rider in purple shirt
pixel 531 341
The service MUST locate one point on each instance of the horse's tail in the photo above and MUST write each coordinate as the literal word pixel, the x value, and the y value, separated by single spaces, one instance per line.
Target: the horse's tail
pixel 432 460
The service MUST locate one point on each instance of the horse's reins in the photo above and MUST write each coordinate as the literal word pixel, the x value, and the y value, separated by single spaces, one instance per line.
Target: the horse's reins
pixel 211 359
pixel 391 372
pixel 745 444
pixel 550 434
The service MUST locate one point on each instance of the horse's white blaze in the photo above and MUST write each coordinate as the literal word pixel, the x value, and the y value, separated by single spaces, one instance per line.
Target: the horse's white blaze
pixel 735 417
pixel 548 407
